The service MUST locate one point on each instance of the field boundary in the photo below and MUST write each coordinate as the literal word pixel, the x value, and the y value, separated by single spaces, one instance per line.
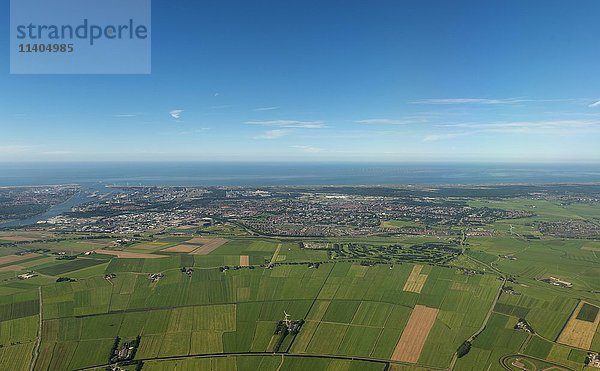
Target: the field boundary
pixel 130 255
pixel 38 342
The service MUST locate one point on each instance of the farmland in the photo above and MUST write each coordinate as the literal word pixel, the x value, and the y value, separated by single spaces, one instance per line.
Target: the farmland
pixel 581 327
pixel 500 296
pixel 235 311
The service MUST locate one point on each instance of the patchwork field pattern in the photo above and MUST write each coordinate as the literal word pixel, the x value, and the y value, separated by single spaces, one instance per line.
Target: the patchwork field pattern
pixel 577 332
pixel 349 310
pixel 416 315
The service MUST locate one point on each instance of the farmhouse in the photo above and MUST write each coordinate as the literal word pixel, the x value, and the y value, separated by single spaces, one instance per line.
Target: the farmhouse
pixel 155 277
pixel 558 282
pixel 187 270
pixel 593 360
pixel 26 276
pixel 524 325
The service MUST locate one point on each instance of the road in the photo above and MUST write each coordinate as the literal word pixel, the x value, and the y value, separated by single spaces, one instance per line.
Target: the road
pixel 384 362
pixel 489 313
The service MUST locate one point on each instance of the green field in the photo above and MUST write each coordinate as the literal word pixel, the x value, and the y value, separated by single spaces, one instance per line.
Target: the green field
pixel 73 265
pixel 350 310
pixel 588 312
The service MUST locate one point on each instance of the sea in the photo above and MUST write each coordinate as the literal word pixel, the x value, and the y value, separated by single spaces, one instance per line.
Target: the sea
pixel 290 174
pixel 100 177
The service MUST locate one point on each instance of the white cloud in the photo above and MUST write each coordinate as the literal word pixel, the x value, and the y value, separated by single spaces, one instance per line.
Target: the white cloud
pixel 464 101
pixel 486 101
pixel 557 127
pixel 595 104
pixel 308 149
pixel 438 137
pixel 176 114
pixel 273 134
pixel 522 126
pixel 266 108
pixel 289 124
pixel 126 115
pixel 194 131
pixel 403 121
pixel 56 153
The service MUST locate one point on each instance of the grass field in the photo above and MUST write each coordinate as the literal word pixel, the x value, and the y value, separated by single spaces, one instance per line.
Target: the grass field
pixel 73 265
pixel 500 339
pixel 266 363
pixel 588 312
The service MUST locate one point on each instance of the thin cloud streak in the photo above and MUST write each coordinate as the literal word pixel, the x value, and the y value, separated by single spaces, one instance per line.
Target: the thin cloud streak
pixel 486 101
pixel 438 137
pixel 127 115
pixel 57 153
pixel 273 134
pixel 403 121
pixel 266 109
pixel 529 125
pixel 289 124
pixel 520 127
pixel 14 149
pixel 308 149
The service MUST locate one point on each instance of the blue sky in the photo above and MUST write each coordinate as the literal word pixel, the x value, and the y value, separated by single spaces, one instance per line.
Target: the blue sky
pixel 393 81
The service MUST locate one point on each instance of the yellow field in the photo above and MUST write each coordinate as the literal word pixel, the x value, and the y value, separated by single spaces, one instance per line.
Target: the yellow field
pixel 579 333
pixel 416 280
pixel 208 244
pixel 12 268
pixel 409 347
pixel 15 258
